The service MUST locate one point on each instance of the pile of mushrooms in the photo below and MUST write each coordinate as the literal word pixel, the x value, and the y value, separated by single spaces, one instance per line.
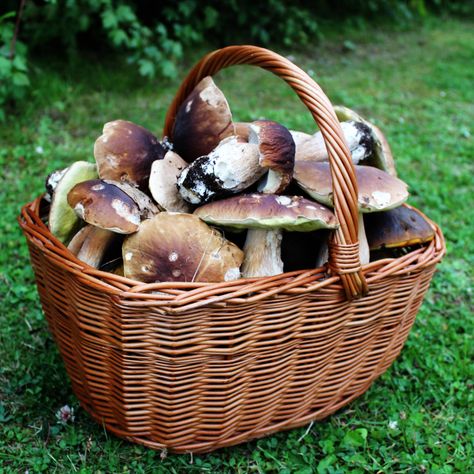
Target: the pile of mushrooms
pixel 214 204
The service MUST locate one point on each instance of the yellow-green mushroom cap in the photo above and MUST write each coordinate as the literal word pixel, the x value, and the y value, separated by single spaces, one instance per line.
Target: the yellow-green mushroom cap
pixel 63 221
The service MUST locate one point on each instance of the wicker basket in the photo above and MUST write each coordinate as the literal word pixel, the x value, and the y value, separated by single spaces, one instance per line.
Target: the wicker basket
pixel 198 366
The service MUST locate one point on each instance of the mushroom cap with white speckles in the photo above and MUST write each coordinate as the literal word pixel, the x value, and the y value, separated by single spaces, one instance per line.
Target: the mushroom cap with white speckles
pixel 105 205
pixel 378 191
pixel 179 247
pixel 268 211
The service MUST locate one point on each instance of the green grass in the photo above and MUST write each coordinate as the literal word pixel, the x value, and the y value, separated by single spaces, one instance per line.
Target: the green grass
pixel 416 85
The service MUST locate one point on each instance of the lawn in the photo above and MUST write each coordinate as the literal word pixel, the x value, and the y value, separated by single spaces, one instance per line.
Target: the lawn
pixel 417 85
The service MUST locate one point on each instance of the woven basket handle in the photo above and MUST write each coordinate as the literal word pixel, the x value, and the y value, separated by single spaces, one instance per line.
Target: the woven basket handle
pixel 344 249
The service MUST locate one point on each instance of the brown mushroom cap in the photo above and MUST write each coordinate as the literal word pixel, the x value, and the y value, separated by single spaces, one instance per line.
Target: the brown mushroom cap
pixel 277 153
pixel 125 152
pixel 202 121
pixel 179 247
pixel 399 227
pixel 378 190
pixel 267 211
pixel 62 220
pixel 105 205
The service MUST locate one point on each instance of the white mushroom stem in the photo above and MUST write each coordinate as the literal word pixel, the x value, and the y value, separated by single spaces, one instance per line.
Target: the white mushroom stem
pixel 94 244
pixel 313 148
pixel 364 251
pixel 262 251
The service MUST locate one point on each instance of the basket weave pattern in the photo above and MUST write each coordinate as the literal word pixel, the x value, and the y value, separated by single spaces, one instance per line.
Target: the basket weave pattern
pixel 198 366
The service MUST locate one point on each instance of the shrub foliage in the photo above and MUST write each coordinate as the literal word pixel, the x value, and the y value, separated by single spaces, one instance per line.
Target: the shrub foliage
pixel 153 35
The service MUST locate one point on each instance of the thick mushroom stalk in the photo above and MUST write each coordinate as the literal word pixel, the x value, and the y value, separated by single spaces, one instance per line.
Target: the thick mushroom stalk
pixel 265 216
pixel 107 206
pixel 359 139
pixel 277 154
pixel 163 183
pixel 229 169
pixel 262 251
pixel 378 191
pixel 125 152
pixel 89 243
pixel 202 122
pixel 382 156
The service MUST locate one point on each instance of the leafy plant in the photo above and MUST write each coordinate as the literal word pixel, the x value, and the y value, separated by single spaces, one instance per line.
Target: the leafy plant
pixel 14 79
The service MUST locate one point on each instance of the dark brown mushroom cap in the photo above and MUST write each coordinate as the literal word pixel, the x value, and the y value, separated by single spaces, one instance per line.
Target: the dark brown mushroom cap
pixel 125 152
pixel 179 247
pixel 399 227
pixel 105 205
pixel 277 152
pixel 268 211
pixel 378 190
pixel 202 121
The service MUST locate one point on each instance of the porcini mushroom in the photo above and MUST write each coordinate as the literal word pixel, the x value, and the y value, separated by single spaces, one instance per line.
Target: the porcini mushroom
pixel 382 156
pixel 125 152
pixel 202 122
pixel 228 169
pixel 266 215
pixel 163 182
pixel 277 154
pixel 89 243
pixel 179 247
pixel 399 227
pixel 378 191
pixel 62 221
pixel 52 181
pixel 358 137
pixel 108 207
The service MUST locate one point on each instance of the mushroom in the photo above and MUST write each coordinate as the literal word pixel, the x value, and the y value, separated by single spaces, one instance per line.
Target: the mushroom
pixel 62 221
pixel 378 191
pixel 163 182
pixel 358 137
pixel 277 154
pixel 179 247
pixel 399 227
pixel 202 122
pixel 125 152
pixel 266 215
pixel 52 181
pixel 89 243
pixel 382 156
pixel 228 169
pixel 107 206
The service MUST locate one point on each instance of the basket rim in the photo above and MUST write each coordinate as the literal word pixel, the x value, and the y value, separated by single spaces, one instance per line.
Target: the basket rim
pixel 179 296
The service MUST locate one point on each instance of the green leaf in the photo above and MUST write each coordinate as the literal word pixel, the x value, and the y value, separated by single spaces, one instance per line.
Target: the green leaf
pixel 20 79
pixel 146 68
pixel 109 20
pixel 355 438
